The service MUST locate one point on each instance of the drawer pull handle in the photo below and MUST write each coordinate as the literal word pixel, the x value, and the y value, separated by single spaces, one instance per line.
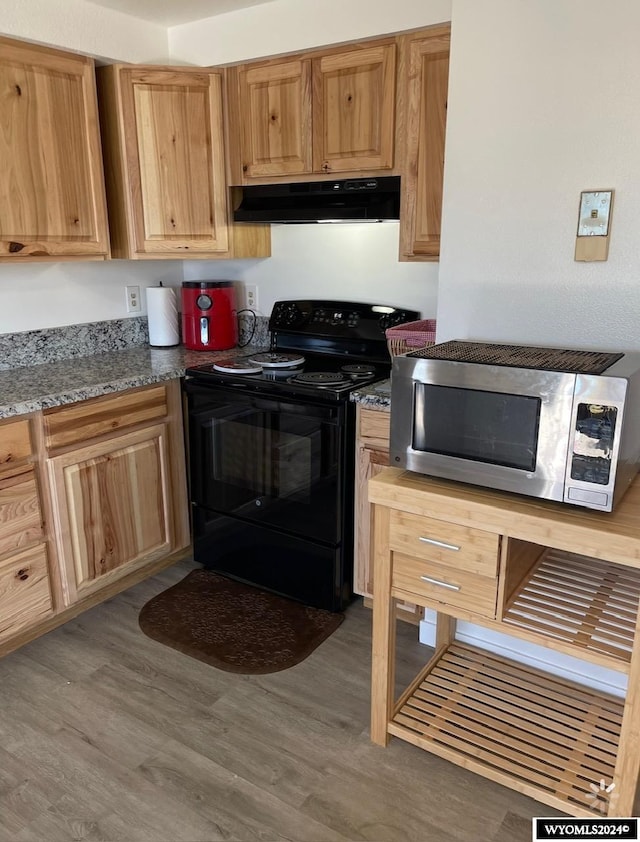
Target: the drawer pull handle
pixel 23 574
pixel 442 544
pixel 440 583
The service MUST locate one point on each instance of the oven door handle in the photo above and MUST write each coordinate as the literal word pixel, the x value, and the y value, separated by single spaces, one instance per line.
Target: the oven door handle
pixel 326 413
pixel 214 402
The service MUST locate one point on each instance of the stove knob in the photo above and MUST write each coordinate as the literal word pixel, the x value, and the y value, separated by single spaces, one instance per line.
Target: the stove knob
pixel 285 315
pixel 291 315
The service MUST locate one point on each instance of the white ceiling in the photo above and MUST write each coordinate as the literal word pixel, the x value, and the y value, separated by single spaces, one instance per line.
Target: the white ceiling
pixel 174 12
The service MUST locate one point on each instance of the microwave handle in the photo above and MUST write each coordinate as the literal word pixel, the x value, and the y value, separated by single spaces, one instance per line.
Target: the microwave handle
pixel 441 544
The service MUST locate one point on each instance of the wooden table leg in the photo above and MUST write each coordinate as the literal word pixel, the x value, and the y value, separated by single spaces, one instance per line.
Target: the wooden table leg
pixel 383 633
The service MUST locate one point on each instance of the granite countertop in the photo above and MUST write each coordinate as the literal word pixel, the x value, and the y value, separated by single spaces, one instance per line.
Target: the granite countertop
pixel 30 388
pixel 374 396
pixel 34 387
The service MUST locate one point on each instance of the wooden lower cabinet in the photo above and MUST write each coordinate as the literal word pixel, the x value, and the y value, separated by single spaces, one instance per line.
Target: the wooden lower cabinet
pixel 372 456
pixel 557 576
pixel 117 485
pixel 112 503
pixel 93 498
pixel 25 586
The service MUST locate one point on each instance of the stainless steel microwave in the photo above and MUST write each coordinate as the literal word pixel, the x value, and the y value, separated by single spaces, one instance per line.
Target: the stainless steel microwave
pixel 559 424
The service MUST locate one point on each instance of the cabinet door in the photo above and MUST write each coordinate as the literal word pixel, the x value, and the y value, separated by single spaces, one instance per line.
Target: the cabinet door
pixel 112 508
pixel 369 463
pixel 425 76
pixel 165 161
pixel 275 118
pixel 353 110
pixel 52 200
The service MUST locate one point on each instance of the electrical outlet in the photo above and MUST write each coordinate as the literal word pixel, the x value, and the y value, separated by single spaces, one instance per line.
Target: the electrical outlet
pixel 251 296
pixel 134 305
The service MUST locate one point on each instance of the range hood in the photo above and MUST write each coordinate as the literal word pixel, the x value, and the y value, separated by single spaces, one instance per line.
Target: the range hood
pixel 347 200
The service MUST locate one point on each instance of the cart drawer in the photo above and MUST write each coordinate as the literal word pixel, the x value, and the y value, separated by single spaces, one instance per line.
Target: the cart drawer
pixel 438 584
pixel 460 547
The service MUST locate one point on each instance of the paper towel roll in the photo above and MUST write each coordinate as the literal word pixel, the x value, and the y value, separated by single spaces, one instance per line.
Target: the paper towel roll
pixel 162 314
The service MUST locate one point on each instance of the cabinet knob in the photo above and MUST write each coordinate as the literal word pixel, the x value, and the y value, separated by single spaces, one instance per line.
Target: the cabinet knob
pixel 325 167
pixel 23 574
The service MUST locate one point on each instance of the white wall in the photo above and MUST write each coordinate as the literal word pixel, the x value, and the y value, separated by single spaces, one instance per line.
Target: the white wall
pixel 355 262
pixel 288 25
pixel 543 103
pixel 84 28
pixel 39 295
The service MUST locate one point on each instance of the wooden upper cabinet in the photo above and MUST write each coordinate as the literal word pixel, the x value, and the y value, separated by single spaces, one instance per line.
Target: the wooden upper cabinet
pixel 353 110
pixel 164 156
pixel 318 112
pixel 424 77
pixel 275 118
pixel 52 201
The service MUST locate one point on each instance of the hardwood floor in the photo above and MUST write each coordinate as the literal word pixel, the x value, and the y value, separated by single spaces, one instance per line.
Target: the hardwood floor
pixel 107 735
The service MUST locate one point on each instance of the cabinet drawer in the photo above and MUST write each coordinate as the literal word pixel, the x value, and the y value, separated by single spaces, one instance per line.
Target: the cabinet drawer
pixel 86 420
pixel 15 443
pixel 445 585
pixel 20 517
pixel 25 595
pixel 459 547
pixel 374 424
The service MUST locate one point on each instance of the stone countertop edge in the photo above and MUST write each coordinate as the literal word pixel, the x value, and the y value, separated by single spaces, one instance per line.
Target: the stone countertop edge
pixel 33 388
pixel 374 396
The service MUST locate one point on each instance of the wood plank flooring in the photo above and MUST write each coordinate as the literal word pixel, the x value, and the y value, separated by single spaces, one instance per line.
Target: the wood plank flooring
pixel 108 736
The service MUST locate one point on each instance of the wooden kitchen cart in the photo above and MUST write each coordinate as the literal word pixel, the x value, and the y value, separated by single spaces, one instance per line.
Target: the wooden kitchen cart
pixel 556 575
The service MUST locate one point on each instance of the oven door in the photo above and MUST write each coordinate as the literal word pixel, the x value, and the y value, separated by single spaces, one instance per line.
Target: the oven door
pixel 276 463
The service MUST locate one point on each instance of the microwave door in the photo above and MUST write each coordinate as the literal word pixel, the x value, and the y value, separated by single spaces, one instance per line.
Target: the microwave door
pixel 495 426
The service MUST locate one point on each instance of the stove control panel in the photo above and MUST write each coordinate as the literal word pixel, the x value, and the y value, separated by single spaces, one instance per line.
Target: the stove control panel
pixel 337 318
pixel 323 316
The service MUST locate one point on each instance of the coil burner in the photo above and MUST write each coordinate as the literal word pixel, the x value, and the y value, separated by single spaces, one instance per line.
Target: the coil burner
pixel 358 370
pixel 240 365
pixel 319 378
pixel 274 359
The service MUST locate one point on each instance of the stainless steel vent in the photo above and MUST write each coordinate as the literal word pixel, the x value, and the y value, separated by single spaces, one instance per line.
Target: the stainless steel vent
pixel 521 356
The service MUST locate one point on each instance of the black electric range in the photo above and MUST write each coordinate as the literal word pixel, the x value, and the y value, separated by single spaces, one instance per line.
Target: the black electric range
pixel 324 349
pixel 272 449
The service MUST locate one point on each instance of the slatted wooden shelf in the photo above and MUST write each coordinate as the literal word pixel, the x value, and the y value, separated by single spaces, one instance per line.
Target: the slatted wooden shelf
pixel 514 724
pixel 585 602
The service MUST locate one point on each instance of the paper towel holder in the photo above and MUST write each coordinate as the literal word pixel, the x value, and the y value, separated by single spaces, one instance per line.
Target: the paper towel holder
pixel 162 317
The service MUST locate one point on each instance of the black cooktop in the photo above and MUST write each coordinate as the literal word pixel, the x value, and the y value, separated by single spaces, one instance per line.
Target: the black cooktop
pixel 322 376
pixel 334 347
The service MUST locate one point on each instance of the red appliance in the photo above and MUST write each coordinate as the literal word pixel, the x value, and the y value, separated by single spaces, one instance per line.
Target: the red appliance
pixel 209 320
